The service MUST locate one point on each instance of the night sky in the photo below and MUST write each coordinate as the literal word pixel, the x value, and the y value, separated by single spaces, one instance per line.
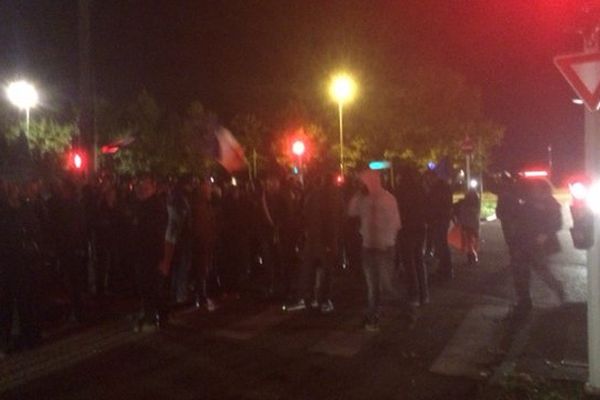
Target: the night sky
pixel 214 50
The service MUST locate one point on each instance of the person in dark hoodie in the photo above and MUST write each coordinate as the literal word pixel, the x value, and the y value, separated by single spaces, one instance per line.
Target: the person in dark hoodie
pixel 321 216
pixel 439 209
pixel 410 195
pixel 152 253
pixel 538 221
pixel 69 232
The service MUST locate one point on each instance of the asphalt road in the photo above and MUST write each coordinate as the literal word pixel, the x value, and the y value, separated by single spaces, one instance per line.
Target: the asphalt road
pixel 252 350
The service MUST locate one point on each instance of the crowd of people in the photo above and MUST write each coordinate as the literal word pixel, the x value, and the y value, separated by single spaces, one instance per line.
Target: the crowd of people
pixel 194 241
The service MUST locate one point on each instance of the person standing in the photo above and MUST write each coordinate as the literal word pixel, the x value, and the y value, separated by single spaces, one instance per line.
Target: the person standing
pixel 274 232
pixel 507 208
pixel 320 222
pixel 69 232
pixel 538 221
pixel 149 231
pixel 411 203
pixel 379 217
pixel 106 220
pixel 467 212
pixel 204 234
pixel 439 207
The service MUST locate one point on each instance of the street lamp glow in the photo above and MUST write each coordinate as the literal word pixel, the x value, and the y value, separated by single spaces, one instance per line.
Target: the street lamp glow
pixel 298 148
pixel 342 88
pixel 22 94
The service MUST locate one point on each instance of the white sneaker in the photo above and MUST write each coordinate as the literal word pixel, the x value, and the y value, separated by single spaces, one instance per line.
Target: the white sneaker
pixel 327 307
pixel 297 306
pixel 211 305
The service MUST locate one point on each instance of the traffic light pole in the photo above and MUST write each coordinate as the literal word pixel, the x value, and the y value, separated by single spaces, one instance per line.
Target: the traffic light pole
pixel 592 166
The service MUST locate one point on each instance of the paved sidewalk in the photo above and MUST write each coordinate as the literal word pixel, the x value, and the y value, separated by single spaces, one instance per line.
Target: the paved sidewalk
pixel 253 350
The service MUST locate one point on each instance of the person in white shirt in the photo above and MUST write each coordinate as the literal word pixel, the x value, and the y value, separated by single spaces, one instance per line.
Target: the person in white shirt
pixel 377 210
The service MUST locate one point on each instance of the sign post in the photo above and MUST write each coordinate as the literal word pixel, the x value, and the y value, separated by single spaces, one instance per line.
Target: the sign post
pixel 582 71
pixel 467 147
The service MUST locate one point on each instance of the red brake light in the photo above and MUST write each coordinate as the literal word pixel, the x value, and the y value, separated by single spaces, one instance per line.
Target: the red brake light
pixel 535 174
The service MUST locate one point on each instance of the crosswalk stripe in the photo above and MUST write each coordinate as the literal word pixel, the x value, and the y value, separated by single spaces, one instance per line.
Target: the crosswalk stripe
pixel 469 349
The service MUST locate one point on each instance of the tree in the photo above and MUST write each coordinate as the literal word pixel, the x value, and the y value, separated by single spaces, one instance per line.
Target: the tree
pixel 252 134
pixel 46 136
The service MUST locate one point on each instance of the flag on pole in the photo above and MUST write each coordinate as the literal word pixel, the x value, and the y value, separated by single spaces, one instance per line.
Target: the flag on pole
pixel 231 154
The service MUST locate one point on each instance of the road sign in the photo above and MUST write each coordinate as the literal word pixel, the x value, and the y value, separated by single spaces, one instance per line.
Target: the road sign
pixel 582 71
pixel 467 145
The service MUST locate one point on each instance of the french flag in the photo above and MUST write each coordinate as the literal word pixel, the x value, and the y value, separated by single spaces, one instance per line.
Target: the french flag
pixel 230 152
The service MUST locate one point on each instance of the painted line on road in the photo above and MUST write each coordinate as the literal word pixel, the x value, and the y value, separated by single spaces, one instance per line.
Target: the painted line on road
pixel 468 352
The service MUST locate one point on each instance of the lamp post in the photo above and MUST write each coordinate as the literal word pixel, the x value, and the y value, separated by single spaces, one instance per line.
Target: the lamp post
pixel 342 90
pixel 23 95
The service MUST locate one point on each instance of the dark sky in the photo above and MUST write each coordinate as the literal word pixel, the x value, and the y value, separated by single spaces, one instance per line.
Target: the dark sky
pixel 182 50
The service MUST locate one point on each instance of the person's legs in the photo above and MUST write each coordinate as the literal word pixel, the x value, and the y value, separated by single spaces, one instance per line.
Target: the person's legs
pixel 442 250
pixel 418 239
pixel 74 268
pixel 410 268
pixel 542 269
pixel 179 276
pixel 371 272
pixel 388 276
pixel 324 283
pixel 522 278
pixel 307 276
pixel 148 286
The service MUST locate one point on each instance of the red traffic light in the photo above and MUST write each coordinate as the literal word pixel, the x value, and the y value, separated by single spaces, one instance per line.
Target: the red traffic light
pixel 77 160
pixel 298 148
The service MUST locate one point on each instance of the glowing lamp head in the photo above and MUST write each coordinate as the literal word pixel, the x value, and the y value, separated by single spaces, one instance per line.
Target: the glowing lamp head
pixel 298 148
pixel 593 198
pixel 22 94
pixel 77 161
pixel 342 88
pixel 473 184
pixel 578 190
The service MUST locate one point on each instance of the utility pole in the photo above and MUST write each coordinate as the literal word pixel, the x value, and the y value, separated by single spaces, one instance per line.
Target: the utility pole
pixel 86 123
pixel 582 71
pixel 592 166
pixel 550 159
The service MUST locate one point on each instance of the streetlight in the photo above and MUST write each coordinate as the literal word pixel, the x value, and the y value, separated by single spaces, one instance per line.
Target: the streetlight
pixel 24 96
pixel 342 90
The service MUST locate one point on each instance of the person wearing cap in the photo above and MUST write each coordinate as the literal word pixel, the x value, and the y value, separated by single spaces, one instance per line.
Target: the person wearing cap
pixel 377 210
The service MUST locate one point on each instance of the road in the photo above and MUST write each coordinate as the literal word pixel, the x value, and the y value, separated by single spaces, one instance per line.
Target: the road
pixel 253 350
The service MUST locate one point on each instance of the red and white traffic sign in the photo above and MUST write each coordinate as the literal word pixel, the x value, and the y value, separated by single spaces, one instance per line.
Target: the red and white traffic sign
pixel 467 145
pixel 582 71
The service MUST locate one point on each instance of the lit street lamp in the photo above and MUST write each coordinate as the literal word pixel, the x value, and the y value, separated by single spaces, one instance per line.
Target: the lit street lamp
pixel 342 90
pixel 24 96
